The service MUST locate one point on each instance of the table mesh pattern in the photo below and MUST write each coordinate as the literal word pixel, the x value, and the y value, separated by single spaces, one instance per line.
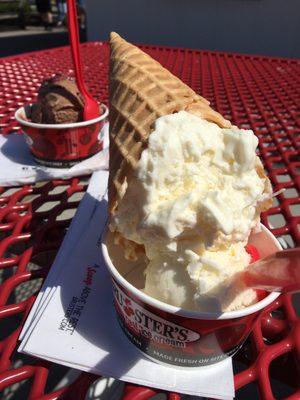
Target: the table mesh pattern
pixel 260 93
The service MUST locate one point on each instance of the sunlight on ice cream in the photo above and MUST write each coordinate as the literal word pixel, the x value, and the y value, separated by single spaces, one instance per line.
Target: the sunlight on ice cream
pixel 192 202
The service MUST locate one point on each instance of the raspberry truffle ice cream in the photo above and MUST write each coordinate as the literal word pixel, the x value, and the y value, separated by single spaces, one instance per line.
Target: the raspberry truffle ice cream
pixel 59 102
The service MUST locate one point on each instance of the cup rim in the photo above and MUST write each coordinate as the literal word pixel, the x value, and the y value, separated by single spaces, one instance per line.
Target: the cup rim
pixel 180 311
pixel 22 121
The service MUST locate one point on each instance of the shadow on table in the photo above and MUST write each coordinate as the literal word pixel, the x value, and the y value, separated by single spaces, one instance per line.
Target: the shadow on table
pixel 16 149
pixel 16 153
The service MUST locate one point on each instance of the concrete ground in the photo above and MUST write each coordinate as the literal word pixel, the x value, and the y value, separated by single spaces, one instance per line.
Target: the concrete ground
pixel 30 30
pixel 17 41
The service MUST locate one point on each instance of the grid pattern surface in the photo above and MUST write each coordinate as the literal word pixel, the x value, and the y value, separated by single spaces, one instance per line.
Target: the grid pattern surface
pixel 254 92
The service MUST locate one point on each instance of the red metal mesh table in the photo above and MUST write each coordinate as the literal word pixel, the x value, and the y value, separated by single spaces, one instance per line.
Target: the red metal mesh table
pixel 254 92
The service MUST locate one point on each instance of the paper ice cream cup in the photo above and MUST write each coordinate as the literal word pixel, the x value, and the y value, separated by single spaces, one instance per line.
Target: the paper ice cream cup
pixel 174 336
pixel 63 145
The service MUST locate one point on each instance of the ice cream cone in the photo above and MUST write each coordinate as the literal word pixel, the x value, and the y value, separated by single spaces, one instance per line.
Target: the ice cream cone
pixel 140 91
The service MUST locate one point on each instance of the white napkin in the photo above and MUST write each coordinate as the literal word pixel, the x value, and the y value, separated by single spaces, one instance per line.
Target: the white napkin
pixel 73 323
pixel 96 190
pixel 17 166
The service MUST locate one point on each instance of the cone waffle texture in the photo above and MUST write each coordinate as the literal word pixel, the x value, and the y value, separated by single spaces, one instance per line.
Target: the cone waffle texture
pixel 140 91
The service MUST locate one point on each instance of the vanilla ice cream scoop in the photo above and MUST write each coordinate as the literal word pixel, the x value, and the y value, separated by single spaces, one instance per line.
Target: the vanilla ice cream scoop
pixel 192 202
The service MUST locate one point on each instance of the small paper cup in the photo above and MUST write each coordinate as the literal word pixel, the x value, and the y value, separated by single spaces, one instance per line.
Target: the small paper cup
pixel 178 337
pixel 63 145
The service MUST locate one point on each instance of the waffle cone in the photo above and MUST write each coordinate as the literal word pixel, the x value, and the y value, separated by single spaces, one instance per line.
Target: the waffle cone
pixel 140 91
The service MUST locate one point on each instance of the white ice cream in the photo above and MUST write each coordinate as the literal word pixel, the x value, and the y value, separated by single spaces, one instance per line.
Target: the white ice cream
pixel 192 202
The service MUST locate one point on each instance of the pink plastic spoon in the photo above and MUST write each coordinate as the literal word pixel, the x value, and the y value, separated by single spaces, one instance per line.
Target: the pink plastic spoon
pixel 279 272
pixel 91 107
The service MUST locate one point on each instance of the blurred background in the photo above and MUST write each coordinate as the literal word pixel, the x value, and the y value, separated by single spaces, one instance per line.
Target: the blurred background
pixel 28 25
pixel 267 27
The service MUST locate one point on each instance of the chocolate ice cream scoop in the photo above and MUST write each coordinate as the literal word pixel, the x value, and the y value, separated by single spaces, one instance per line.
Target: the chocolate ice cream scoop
pixel 59 102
